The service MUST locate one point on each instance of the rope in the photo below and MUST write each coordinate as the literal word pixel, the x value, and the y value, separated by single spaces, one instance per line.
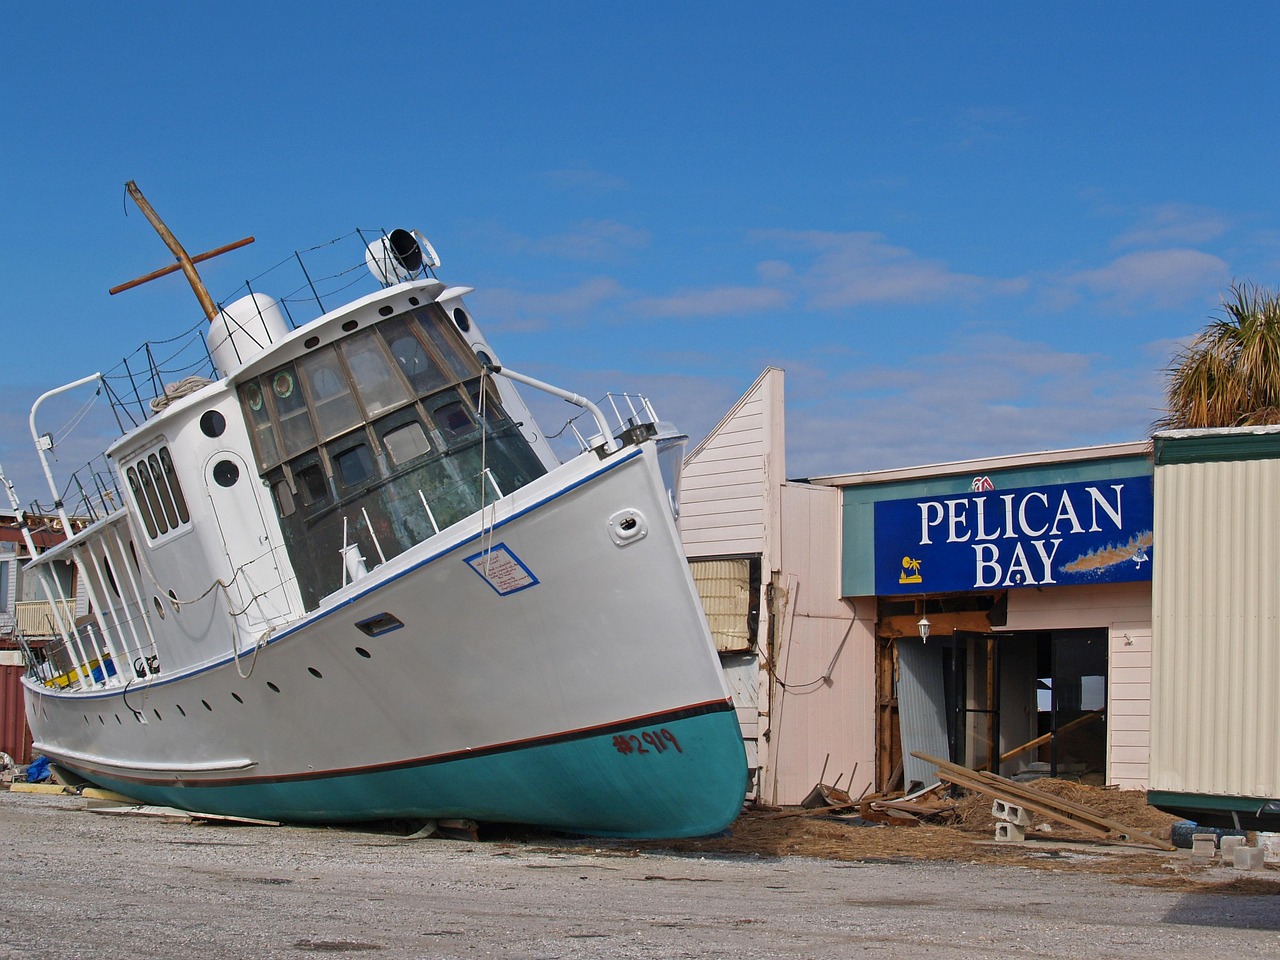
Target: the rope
pixel 486 534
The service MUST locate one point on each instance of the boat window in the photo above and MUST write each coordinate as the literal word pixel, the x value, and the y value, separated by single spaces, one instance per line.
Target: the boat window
pixel 110 574
pixel 153 498
pixel 453 418
pixel 162 490
pixel 485 402
pixel 259 417
pixel 354 465
pixel 144 506
pixel 442 335
pixel 291 408
pixel 405 442
pixel 311 483
pixel 284 498
pixel 422 372
pixel 379 386
pixel 335 406
pixel 175 488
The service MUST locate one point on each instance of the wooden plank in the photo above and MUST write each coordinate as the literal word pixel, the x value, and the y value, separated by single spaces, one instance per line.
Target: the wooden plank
pixel 1056 808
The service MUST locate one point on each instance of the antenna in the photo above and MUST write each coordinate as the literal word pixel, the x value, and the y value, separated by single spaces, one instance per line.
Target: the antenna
pixel 185 262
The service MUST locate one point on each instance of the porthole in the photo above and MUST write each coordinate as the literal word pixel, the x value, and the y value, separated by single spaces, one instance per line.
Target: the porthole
pixel 118 720
pixel 157 713
pixel 311 342
pixel 387 311
pixel 315 673
pixel 101 721
pixel 225 473
pixel 206 705
pixel 350 325
pixel 273 687
pixel 364 653
pixel 159 606
pixel 414 301
pixel 461 319
pixel 484 358
pixel 178 706
pixel 86 717
pixel 236 697
pixel 212 423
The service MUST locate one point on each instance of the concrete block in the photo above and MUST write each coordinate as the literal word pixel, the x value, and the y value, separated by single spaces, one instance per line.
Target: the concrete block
pixel 1227 846
pixel 1249 858
pixel 1011 812
pixel 1204 846
pixel 1010 832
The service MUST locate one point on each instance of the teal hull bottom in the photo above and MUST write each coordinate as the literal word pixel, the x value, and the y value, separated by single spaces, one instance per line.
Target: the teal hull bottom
pixel 675 775
pixel 1216 810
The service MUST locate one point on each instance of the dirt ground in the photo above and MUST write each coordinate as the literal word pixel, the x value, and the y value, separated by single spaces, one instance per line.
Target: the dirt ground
pixel 966 835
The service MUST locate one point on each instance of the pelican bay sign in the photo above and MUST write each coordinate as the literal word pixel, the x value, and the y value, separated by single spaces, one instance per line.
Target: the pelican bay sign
pixel 1050 535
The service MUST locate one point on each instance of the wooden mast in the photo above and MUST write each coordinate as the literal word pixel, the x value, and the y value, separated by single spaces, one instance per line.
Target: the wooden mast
pixel 186 264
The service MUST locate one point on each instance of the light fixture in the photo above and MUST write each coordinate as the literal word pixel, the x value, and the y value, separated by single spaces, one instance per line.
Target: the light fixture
pixel 923 626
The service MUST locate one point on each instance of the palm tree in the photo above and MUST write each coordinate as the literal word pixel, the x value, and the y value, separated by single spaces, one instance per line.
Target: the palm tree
pixel 1229 376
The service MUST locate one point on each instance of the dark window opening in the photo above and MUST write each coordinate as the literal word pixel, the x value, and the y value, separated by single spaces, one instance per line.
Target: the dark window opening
pixel 378 625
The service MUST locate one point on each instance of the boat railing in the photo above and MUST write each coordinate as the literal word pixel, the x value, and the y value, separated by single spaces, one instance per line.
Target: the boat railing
pixel 630 411
pixel 306 284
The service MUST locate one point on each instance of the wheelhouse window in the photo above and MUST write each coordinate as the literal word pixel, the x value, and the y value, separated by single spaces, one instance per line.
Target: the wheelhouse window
pixel 378 384
pixel 291 408
pixel 157 493
pixel 331 397
pixel 406 442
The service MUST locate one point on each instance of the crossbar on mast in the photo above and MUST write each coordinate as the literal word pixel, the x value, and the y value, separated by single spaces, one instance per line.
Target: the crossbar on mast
pixel 185 263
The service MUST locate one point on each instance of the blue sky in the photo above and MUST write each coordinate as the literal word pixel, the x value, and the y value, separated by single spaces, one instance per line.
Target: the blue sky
pixel 961 229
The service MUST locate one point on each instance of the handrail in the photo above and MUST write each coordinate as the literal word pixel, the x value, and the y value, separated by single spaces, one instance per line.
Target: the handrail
pixel 610 445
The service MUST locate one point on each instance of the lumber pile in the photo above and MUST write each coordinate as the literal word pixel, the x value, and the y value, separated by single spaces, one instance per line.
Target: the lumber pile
pixel 1023 795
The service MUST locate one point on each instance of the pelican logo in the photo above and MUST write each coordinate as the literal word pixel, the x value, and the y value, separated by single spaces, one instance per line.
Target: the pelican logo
pixel 981 485
pixel 910 571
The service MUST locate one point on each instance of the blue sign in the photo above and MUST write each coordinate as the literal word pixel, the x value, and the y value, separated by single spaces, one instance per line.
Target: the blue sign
pixel 1096 531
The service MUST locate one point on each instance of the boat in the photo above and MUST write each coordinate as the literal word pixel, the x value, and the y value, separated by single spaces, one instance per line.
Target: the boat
pixel 344 577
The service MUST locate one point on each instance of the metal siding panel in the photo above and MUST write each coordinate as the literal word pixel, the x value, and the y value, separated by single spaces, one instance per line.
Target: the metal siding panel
pixel 15 739
pixel 724 587
pixel 1216 608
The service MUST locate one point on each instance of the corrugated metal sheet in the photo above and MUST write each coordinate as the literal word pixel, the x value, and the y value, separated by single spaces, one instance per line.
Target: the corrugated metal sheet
pixel 922 713
pixel 725 589
pixel 1215 724
pixel 15 739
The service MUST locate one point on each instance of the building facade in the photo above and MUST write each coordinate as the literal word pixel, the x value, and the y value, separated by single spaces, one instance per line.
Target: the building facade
pixel 1030 576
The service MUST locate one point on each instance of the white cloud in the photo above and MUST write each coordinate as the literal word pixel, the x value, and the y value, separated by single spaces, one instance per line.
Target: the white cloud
pixel 983 396
pixel 522 310
pixel 592 240
pixel 850 269
pixel 1174 223
pixel 711 302
pixel 1153 279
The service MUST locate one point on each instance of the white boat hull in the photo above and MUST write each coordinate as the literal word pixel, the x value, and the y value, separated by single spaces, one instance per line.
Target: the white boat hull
pixel 544 664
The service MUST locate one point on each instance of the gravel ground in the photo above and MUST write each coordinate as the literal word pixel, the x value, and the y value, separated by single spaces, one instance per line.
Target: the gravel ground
pixel 81 884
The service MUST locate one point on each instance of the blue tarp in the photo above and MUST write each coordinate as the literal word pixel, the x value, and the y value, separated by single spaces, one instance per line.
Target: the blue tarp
pixel 39 770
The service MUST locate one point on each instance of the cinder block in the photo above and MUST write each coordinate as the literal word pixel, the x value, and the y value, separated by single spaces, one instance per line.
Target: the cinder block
pixel 1249 858
pixel 1011 812
pixel 1204 846
pixel 1010 832
pixel 1228 845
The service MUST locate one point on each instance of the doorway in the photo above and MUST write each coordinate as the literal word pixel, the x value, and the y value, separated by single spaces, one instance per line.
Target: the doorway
pixel 1026 704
